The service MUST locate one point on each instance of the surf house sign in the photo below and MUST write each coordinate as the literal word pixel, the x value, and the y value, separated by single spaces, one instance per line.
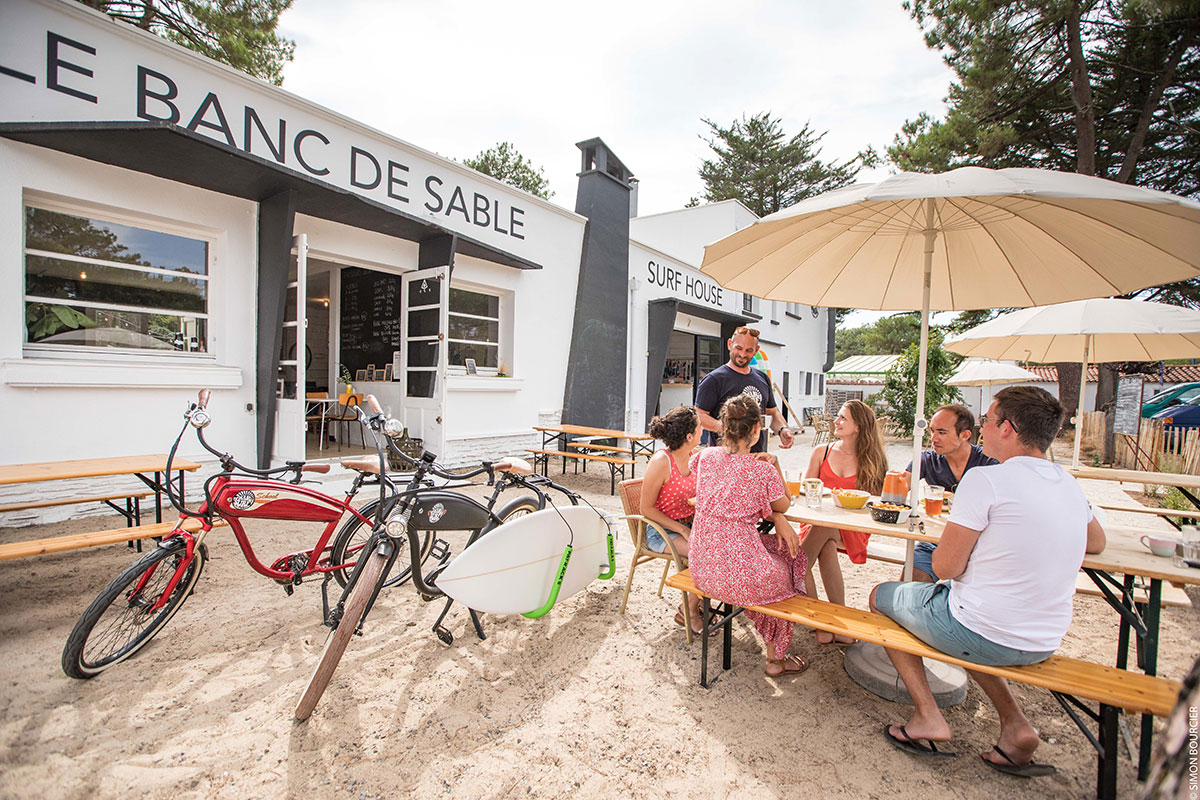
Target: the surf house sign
pixel 57 64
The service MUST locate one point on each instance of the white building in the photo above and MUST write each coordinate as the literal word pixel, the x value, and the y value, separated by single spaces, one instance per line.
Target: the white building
pixel 168 223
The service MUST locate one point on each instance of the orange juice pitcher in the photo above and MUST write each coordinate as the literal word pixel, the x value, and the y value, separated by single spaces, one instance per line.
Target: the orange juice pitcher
pixel 895 487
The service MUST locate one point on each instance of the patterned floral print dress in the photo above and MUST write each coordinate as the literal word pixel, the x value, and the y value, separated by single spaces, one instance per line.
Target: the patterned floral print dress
pixel 729 559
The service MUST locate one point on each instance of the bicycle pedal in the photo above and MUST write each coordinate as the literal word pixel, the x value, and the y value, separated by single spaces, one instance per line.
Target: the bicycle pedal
pixel 440 551
pixel 288 589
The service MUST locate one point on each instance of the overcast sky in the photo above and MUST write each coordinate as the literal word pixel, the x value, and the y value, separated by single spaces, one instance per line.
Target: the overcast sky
pixel 457 77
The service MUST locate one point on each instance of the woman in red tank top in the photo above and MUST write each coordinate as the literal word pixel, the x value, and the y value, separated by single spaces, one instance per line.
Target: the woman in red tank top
pixel 667 487
pixel 855 461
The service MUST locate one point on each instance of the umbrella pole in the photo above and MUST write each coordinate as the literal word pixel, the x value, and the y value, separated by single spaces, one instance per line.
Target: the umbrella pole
pixel 919 423
pixel 1082 394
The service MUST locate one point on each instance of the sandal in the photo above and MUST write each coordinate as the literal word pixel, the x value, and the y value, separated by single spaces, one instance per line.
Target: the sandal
pixel 681 623
pixel 785 664
pixel 834 640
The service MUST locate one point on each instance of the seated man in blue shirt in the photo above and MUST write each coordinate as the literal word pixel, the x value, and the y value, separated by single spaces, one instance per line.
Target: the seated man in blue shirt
pixel 952 455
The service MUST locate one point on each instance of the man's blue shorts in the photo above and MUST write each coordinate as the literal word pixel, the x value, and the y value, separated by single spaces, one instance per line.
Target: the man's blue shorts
pixel 923 558
pixel 924 610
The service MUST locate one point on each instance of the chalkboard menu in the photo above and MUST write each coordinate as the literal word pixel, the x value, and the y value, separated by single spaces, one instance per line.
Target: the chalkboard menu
pixel 1128 414
pixel 371 320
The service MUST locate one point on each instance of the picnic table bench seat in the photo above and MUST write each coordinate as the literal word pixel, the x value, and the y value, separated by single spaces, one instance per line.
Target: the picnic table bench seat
pixel 616 465
pixel 79 541
pixel 1068 679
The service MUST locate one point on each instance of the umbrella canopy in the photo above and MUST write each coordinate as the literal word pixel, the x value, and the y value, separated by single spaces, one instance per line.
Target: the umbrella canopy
pixel 1118 330
pixel 964 239
pixel 1099 330
pixel 1000 238
pixel 986 372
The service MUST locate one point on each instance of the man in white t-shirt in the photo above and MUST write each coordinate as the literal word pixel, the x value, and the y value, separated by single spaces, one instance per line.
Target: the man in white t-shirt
pixel 1009 556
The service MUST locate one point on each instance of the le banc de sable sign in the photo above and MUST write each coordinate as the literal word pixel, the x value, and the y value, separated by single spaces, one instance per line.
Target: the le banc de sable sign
pixel 95 75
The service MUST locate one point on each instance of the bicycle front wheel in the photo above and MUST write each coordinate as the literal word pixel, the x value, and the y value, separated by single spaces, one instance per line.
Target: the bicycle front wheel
pixel 335 645
pixel 354 535
pixel 122 619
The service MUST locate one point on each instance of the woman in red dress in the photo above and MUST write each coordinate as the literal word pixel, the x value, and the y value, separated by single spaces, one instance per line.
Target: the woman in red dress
pixel 729 559
pixel 855 461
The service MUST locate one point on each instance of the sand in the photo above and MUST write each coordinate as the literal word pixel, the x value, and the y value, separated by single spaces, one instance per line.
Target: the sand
pixel 585 700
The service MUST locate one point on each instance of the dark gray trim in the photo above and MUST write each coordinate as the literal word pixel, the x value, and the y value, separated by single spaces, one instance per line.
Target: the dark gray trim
pixel 793 316
pixel 175 153
pixel 660 324
pixel 437 251
pixel 276 216
pixel 829 340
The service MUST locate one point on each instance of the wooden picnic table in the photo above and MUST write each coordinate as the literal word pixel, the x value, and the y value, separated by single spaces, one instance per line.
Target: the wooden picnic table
pixel 639 443
pixel 1123 554
pixel 141 467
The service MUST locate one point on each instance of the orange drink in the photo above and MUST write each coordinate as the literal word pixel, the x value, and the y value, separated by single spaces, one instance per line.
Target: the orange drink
pixel 933 500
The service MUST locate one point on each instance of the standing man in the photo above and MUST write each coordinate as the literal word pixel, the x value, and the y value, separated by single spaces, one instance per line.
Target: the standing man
pixel 738 377
pixel 952 455
pixel 1008 558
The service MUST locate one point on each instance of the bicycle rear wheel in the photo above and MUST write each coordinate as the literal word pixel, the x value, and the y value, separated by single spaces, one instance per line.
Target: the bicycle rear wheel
pixel 335 645
pixel 121 620
pixel 354 535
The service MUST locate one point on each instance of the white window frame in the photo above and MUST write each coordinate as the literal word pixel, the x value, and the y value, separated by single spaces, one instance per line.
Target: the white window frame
pixel 501 320
pixel 131 219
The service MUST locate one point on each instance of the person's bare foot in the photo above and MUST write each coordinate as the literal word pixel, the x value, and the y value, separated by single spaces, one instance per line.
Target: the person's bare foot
pixel 827 638
pixel 1017 742
pixel 935 729
pixel 788 665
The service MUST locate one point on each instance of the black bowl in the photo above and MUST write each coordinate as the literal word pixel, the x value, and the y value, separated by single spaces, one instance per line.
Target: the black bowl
pixel 888 515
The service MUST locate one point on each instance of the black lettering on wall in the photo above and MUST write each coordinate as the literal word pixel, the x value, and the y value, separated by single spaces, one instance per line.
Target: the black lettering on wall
pixel 170 92
pixel 514 223
pixel 277 149
pixel 354 154
pixel 300 137
pixel 53 63
pixel 496 217
pixel 198 120
pixel 482 209
pixel 21 76
pixel 394 181
pixel 458 203
pixel 432 179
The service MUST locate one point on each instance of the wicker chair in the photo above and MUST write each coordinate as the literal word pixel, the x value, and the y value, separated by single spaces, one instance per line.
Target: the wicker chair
pixel 631 500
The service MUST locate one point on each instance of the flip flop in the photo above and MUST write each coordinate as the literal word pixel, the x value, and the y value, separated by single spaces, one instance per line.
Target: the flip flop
pixel 915 747
pixel 800 662
pixel 1031 769
pixel 681 623
pixel 834 641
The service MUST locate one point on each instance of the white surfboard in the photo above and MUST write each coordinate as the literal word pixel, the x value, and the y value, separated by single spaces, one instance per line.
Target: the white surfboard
pixel 511 570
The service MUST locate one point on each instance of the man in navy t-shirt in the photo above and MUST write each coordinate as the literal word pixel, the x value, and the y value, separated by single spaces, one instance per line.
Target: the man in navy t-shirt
pixel 952 455
pixel 738 377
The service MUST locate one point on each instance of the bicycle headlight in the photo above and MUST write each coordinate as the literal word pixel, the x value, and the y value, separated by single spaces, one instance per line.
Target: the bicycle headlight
pixel 393 428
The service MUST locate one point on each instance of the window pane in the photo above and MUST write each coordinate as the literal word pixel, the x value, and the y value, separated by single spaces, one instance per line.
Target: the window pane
pixel 73 280
pixel 422 354
pixel 110 241
pixel 423 323
pixel 420 384
pixel 485 355
pixel 481 305
pixel 426 292
pixel 475 329
pixel 60 324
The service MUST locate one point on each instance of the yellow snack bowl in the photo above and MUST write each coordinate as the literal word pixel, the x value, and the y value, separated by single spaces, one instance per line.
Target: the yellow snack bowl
pixel 850 498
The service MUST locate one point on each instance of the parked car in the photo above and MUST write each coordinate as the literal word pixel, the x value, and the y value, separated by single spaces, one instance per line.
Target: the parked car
pixel 1184 416
pixel 1179 395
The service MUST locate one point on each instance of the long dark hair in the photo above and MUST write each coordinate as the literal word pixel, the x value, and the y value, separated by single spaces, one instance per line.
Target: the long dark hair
pixel 868 448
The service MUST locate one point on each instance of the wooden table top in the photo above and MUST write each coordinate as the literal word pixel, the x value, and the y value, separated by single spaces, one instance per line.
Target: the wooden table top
pixel 1123 552
pixel 582 430
pixel 1135 476
pixel 91 468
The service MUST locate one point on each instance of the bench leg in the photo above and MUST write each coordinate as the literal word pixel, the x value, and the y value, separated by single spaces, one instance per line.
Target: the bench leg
pixel 1108 719
pixel 1150 613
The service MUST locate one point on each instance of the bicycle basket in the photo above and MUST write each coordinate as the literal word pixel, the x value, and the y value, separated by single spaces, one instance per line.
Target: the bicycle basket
pixel 413 448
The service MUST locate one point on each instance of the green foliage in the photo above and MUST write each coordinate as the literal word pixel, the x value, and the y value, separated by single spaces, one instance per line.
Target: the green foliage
pixel 240 33
pixel 900 384
pixel 758 164
pixel 43 319
pixel 1101 88
pixel 504 163
pixel 888 336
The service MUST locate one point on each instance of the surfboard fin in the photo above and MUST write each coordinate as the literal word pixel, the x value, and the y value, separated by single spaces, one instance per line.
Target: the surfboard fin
pixel 554 587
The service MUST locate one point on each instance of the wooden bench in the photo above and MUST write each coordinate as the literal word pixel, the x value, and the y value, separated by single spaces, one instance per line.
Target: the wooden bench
pixel 615 465
pixel 79 541
pixel 1066 678
pixel 132 510
pixel 608 448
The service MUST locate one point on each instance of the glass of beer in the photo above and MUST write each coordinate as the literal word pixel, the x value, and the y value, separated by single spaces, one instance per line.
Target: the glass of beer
pixel 812 492
pixel 933 500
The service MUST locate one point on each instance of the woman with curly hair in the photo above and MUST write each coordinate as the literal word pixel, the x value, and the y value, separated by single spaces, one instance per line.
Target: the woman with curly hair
pixel 667 487
pixel 729 559
pixel 855 461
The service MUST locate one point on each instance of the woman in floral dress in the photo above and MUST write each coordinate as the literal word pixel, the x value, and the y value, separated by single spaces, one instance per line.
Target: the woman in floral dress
pixel 729 559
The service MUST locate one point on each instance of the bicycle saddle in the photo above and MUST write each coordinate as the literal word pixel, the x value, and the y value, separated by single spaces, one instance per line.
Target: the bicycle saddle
pixel 362 465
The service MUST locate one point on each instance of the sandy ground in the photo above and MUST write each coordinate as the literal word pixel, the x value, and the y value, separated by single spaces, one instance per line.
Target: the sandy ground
pixel 584 700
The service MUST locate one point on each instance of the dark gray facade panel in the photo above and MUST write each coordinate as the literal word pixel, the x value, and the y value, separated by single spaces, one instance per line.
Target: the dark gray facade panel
pixel 276 216
pixel 596 378
pixel 660 322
